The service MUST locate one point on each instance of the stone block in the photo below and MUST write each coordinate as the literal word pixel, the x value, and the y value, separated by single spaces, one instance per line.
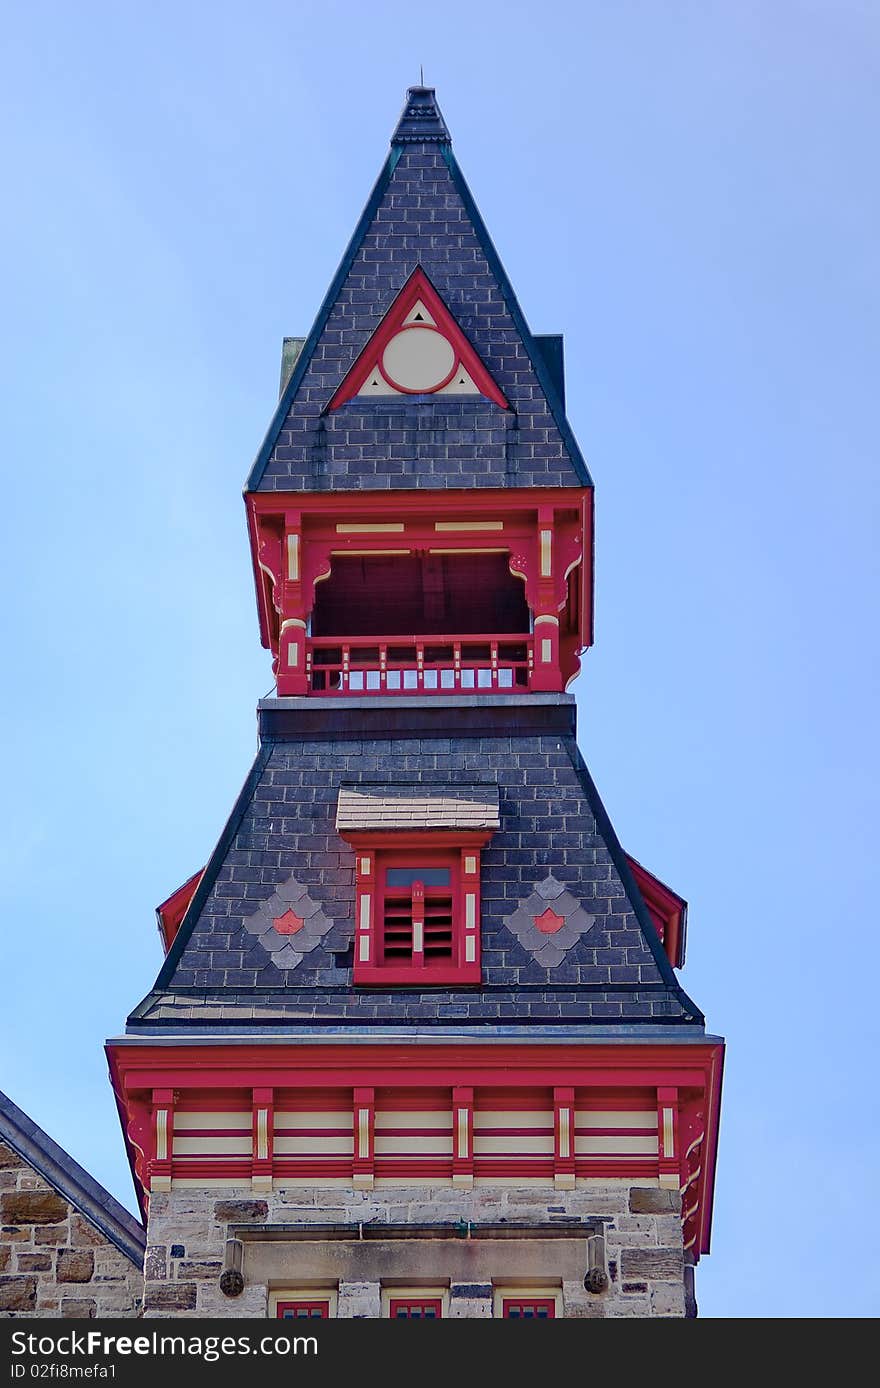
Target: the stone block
pixel 200 1270
pixel 667 1300
pixel 10 1160
pixel 54 1234
pixel 83 1234
pixel 155 1265
pixel 655 1264
pixel 80 1309
pixel 75 1265
pixel 171 1296
pixel 654 1200
pixel 32 1207
pixel 5 1256
pixel 18 1293
pixel 239 1211
pixel 34 1262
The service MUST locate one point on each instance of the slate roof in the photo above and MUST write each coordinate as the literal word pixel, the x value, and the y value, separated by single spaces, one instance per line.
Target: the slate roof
pixel 383 807
pixel 421 212
pixel 71 1181
pixel 281 844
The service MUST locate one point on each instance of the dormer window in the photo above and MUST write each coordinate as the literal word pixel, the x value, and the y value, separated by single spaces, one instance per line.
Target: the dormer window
pixel 417 912
pixel 417 881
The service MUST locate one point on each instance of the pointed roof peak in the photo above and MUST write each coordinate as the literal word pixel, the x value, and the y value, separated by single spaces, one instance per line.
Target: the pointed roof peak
pixel 421 121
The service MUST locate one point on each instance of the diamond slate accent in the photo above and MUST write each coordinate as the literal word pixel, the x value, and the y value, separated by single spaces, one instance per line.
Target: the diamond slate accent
pixel 289 900
pixel 418 807
pixel 549 949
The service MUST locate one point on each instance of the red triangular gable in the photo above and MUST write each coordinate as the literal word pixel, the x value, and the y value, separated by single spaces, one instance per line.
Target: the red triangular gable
pixel 418 349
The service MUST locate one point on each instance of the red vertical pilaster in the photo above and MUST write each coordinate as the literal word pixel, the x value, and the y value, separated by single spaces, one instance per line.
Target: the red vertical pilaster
pixel 463 1137
pixel 163 1139
pixel 262 1107
pixel 563 1139
pixel 668 1138
pixel 364 1166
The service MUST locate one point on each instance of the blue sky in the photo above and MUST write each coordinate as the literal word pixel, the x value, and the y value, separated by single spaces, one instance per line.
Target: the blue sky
pixel 687 189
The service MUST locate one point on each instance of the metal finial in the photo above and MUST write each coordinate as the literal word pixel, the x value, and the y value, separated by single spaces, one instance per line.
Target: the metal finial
pixel 421 75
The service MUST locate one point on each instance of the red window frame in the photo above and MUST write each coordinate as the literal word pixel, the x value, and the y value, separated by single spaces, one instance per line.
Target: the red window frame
pixel 303 1310
pixel 401 1307
pixel 375 854
pixel 541 1308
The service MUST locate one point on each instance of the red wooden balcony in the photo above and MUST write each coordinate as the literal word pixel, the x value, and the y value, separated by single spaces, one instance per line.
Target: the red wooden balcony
pixel 418 664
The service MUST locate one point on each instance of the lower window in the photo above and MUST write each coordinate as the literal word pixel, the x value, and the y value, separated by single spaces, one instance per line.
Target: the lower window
pixel 411 1309
pixel 520 1308
pixel 302 1310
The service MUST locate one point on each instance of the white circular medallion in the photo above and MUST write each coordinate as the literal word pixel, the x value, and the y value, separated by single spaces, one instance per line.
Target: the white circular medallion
pixel 418 359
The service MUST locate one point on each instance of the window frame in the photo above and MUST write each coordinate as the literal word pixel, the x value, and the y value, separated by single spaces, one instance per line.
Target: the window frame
pixel 505 1295
pixel 304 1296
pixel 392 1295
pixel 374 854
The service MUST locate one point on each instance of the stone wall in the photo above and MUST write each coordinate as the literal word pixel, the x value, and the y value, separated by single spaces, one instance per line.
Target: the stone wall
pixel 188 1229
pixel 53 1261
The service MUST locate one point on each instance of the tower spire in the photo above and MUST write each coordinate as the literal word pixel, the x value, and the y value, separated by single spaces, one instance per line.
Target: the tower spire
pixel 421 121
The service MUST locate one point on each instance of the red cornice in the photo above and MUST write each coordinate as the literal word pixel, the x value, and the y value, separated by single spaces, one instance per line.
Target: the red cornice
pixel 146 1076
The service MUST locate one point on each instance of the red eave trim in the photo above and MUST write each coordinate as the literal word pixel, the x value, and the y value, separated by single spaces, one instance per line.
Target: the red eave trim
pixel 668 910
pixel 171 913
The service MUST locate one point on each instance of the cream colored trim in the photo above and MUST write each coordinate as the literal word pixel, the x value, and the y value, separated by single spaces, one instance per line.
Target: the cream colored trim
pixel 162 1134
pixel 364 867
pixel 546 652
pixel 611 1118
pixel 262 1134
pixel 469 525
pixel 669 1180
pixel 364 920
pixel 164 1183
pixel 514 1118
pixel 418 937
pixel 362 554
pixel 370 528
pixel 190 1146
pixel 323 1118
pixel 668 1133
pixel 470 864
pixel 184 1122
pixel 302 1293
pixel 364 949
pixel 293 556
pixel 322 1146
pixel 291 622
pixel 441 1119
pixel 470 950
pixel 505 1291
pixel 463 1148
pixel 393 1145
pixel 362 1180
pixel 565 1132
pixel 546 553
pixel 546 617
pixel 469 551
pixel 623 1146
pixel 470 911
pixel 363 1132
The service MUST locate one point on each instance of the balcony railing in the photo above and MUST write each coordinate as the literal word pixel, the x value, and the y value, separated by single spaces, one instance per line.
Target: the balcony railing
pixel 418 664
